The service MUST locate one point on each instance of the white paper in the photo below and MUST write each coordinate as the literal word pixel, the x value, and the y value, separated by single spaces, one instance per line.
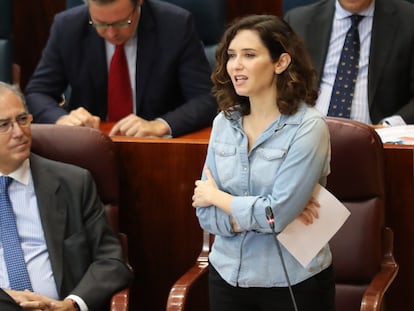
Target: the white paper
pixel 397 134
pixel 305 241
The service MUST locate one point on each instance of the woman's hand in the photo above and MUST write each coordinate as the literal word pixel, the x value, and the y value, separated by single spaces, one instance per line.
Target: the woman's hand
pixel 310 212
pixel 204 190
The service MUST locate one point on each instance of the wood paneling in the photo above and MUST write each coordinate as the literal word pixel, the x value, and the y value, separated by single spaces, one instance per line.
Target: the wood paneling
pixel 157 184
pixel 237 8
pixel 399 167
pixel 31 22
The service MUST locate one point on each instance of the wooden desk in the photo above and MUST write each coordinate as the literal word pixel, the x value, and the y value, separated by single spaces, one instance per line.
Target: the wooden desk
pixel 164 235
pixel 399 167
pixel 157 183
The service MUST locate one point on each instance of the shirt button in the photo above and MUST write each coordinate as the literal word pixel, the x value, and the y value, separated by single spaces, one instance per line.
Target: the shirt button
pixel 244 168
pixel 246 193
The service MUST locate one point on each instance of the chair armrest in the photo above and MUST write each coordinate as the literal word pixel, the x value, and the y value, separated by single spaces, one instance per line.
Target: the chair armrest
pixel 178 294
pixel 177 297
pixel 374 294
pixel 120 300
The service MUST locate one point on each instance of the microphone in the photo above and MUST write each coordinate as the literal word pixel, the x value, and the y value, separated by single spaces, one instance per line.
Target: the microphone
pixel 271 221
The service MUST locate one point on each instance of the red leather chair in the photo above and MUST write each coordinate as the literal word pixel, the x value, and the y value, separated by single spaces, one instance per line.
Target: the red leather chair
pixel 362 249
pixel 93 150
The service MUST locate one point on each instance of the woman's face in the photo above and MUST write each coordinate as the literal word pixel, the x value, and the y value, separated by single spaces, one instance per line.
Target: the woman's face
pixel 249 65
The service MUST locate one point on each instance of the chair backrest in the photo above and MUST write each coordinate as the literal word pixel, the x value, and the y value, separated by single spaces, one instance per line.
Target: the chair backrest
pixel 357 180
pixel 290 4
pixel 72 3
pixel 6 61
pixel 210 19
pixel 87 148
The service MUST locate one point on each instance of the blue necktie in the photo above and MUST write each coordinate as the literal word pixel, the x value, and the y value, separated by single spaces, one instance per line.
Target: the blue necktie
pixel 346 75
pixel 12 249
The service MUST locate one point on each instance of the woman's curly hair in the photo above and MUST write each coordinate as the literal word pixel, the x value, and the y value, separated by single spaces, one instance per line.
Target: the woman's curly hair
pixel 297 83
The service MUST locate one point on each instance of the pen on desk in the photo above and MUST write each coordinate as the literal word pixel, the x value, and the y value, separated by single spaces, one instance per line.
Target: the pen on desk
pixel 397 142
pixel 63 101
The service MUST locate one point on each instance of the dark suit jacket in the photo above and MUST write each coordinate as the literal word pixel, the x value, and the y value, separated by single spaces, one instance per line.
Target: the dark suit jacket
pixel 7 303
pixel 391 64
pixel 85 254
pixel 173 74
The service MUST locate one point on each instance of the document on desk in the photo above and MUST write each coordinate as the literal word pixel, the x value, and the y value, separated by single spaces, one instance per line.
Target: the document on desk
pixel 305 241
pixel 397 134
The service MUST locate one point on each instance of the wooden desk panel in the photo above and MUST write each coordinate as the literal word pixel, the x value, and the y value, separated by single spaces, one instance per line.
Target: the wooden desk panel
pixel 157 183
pixel 399 166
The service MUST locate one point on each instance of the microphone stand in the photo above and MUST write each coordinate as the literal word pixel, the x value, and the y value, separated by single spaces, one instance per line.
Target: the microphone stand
pixel 271 220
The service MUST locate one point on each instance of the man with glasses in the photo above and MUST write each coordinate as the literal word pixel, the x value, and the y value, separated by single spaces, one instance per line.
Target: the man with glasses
pixel 169 75
pixel 70 260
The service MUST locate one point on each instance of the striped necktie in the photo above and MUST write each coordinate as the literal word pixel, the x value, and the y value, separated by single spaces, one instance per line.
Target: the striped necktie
pixel 12 249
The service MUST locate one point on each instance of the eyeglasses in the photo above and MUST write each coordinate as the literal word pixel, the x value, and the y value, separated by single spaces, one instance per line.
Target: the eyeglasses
pixel 23 120
pixel 117 25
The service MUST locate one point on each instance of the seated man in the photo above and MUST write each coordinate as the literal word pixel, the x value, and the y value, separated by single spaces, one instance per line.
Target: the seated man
pixel 167 78
pixel 57 251
pixel 384 88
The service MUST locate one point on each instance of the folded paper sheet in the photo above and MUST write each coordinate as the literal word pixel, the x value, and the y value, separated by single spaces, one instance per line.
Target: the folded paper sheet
pixel 305 241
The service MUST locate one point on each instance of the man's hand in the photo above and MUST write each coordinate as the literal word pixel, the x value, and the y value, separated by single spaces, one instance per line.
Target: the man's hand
pixel 80 117
pixel 19 296
pixel 30 301
pixel 62 305
pixel 134 126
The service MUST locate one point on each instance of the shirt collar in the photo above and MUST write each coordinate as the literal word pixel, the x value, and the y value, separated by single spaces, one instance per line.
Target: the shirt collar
pixel 22 174
pixel 284 119
pixel 341 13
pixel 295 118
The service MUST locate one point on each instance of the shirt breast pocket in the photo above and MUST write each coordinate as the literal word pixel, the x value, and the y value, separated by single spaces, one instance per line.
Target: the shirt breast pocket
pixel 265 165
pixel 225 155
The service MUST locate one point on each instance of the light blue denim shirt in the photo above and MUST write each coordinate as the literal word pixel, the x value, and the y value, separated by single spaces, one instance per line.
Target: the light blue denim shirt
pixel 281 170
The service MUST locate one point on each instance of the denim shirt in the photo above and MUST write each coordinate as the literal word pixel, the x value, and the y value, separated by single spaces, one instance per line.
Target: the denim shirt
pixel 281 170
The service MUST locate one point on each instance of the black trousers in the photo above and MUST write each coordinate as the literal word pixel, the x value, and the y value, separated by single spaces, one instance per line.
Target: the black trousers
pixel 7 303
pixel 314 294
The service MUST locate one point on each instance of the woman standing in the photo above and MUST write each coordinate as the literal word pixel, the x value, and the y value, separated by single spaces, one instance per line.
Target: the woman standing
pixel 268 148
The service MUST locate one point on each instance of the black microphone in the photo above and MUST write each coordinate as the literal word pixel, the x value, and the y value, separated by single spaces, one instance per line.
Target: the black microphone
pixel 271 221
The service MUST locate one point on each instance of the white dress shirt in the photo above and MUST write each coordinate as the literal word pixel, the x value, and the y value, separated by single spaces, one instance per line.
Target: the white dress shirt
pixel 341 25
